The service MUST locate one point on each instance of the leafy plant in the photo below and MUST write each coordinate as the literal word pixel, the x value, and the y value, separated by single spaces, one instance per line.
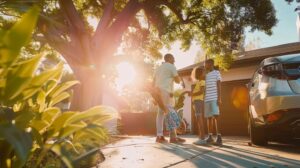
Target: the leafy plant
pixel 31 127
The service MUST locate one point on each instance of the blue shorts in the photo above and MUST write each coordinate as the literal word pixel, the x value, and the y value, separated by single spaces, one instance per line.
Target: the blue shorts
pixel 211 109
pixel 198 107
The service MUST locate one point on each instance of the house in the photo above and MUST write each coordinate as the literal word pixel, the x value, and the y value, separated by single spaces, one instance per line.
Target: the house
pixel 234 110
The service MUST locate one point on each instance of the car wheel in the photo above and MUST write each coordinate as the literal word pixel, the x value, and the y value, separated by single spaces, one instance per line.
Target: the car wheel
pixel 257 134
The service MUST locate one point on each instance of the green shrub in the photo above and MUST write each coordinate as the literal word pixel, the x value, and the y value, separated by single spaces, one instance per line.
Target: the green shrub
pixel 33 132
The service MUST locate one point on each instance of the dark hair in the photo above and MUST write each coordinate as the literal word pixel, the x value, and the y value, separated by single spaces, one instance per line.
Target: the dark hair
pixel 198 72
pixel 167 56
pixel 210 61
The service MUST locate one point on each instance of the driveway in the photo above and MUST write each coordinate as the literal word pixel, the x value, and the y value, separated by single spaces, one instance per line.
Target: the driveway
pixel 143 152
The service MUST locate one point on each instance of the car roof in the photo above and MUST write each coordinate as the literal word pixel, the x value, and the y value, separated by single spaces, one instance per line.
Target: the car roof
pixel 282 59
pixel 289 58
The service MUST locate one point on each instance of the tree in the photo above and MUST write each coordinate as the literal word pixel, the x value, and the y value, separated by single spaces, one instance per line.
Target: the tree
pixel 217 24
pixel 200 56
pixel 253 44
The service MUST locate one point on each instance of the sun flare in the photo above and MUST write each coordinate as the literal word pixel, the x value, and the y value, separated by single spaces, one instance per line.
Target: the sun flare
pixel 126 74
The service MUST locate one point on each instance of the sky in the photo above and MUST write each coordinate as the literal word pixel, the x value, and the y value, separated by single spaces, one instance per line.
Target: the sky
pixel 284 32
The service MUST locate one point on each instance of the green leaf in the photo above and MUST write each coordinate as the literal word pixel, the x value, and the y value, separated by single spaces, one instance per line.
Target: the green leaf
pixel 19 35
pixel 40 80
pixel 2 82
pixel 20 77
pixel 71 128
pixel 59 98
pixel 50 85
pixel 39 125
pixel 24 118
pixel 92 113
pixel 41 100
pixel 37 137
pixel 63 154
pixel 97 131
pixel 20 141
pixel 62 87
pixel 61 121
pixel 58 76
pixel 47 75
pixel 50 114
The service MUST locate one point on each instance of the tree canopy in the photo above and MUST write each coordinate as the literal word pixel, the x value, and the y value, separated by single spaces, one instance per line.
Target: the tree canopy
pixel 148 25
pixel 138 25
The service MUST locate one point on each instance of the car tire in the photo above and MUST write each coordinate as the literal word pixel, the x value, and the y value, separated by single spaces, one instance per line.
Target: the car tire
pixel 257 134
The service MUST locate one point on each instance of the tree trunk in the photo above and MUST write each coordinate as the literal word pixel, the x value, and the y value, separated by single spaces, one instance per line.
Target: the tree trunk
pixel 90 90
pixel 87 55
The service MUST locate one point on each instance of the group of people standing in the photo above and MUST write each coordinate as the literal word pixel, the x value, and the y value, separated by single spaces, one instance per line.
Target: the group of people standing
pixel 205 97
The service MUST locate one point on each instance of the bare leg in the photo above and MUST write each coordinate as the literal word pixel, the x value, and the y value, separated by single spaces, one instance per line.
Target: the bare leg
pixel 200 122
pixel 210 125
pixel 215 123
pixel 173 134
pixel 160 123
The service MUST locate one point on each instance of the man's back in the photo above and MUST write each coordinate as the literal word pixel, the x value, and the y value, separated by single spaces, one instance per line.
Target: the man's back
pixel 164 77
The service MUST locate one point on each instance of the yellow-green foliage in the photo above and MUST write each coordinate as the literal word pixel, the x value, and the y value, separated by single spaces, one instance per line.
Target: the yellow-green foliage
pixel 31 127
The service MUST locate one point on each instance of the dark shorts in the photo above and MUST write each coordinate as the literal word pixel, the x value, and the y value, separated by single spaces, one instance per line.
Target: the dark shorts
pixel 198 107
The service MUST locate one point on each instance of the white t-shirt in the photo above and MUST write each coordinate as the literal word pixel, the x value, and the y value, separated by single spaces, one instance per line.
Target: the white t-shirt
pixel 211 90
pixel 164 77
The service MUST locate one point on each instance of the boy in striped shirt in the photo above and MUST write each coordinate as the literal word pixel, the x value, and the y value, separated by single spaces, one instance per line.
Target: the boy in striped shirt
pixel 212 100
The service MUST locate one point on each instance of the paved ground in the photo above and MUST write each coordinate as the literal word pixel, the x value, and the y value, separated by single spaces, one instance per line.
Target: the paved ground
pixel 143 152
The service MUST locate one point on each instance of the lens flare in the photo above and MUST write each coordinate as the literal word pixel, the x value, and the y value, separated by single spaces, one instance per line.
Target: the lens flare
pixel 240 98
pixel 126 75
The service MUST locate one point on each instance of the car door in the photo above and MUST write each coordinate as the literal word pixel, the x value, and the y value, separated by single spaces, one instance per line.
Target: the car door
pixel 256 104
pixel 253 93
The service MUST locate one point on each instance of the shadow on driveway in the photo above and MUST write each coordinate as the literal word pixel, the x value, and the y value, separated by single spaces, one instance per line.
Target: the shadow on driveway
pixel 143 152
pixel 235 153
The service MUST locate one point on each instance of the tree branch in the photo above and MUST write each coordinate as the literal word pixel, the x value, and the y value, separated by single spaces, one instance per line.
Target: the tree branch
pixel 78 31
pixel 173 8
pixel 114 33
pixel 64 50
pixel 104 21
pixel 72 15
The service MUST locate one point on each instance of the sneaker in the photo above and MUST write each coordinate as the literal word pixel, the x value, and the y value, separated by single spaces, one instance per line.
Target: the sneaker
pixel 161 139
pixel 177 140
pixel 209 139
pixel 218 142
pixel 200 142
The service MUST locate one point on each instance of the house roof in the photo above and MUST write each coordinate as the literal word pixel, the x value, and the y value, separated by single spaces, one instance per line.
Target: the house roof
pixel 253 56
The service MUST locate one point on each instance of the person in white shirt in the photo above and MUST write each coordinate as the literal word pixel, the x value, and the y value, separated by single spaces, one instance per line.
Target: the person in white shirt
pixel 212 100
pixel 164 79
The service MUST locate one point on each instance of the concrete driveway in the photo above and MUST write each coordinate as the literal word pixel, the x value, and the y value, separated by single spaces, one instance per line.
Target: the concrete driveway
pixel 143 152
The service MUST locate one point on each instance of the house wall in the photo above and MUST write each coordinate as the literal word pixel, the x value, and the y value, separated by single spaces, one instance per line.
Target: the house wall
pixel 187 102
pixel 240 73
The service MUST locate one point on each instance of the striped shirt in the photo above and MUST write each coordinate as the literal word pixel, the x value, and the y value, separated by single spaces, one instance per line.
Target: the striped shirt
pixel 211 90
